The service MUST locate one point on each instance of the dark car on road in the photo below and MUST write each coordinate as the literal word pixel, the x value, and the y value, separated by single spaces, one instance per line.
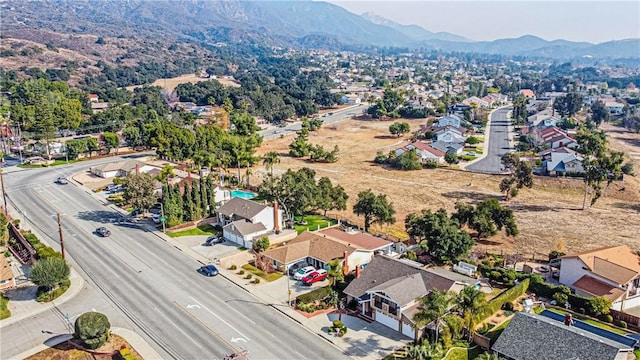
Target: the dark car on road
pixel 103 231
pixel 212 240
pixel 208 270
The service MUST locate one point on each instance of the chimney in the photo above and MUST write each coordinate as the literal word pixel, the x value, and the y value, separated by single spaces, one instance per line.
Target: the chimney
pixel 276 224
pixel 345 267
pixel 357 272
pixel 137 169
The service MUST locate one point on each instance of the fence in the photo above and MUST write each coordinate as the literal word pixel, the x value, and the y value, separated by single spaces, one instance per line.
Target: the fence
pixel 632 321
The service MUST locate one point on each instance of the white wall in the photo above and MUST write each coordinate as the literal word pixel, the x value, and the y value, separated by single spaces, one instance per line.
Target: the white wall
pixel 358 258
pixel 266 218
pixel 571 270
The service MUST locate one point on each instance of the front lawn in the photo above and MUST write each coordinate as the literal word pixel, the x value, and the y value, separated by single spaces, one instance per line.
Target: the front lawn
pixel 206 229
pixel 259 273
pixel 4 303
pixel 464 353
pixel 313 222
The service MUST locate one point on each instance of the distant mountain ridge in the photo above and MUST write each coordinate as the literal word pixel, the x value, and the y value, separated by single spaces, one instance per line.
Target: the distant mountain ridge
pixel 288 23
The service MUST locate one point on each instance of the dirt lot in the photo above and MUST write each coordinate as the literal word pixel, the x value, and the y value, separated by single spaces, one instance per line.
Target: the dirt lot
pixel 171 83
pixel 66 351
pixel 545 214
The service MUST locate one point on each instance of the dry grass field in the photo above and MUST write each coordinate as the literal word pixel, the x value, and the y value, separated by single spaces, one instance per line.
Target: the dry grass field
pixel 548 212
pixel 170 83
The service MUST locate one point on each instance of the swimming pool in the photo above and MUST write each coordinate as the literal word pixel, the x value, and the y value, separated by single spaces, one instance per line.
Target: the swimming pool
pixel 243 194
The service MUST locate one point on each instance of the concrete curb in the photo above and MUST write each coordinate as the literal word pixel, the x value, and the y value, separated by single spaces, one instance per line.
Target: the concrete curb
pixel 137 342
pixel 77 283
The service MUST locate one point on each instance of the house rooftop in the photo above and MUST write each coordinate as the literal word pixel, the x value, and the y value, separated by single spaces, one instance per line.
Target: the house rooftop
pixel 356 238
pixel 310 244
pixel 619 263
pixel 5 269
pixel 533 337
pixel 595 287
pixel 120 165
pixel 240 207
pixel 244 227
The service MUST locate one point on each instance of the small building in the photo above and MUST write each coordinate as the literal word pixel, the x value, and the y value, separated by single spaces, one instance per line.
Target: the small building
pixel 244 220
pixel 615 108
pixel 120 169
pixel 351 99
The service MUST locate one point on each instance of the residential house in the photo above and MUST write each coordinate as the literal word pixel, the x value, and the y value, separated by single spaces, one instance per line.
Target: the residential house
pixel 426 152
pixel 7 279
pixel 528 93
pixel 534 337
pixel 449 134
pixel 244 220
pixel 351 99
pixel 360 240
pixel 615 108
pixel 97 107
pixel 453 120
pixel 478 102
pixel 93 98
pixel 448 147
pixel 55 148
pixel 120 169
pixel 388 290
pixel 612 272
pixel 562 163
pixel 562 140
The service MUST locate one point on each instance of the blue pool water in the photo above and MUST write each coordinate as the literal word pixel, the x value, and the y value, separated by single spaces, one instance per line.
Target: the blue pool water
pixel 243 194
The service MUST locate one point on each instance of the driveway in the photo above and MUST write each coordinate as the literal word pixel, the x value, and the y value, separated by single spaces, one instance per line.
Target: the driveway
pixel 498 144
pixel 216 251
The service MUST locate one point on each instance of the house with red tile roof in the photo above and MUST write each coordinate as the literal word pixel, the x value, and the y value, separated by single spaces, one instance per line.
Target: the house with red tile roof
pixel 611 272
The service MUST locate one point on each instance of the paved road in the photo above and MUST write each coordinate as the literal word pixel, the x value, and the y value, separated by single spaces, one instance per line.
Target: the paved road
pixel 499 144
pixel 337 115
pixel 148 284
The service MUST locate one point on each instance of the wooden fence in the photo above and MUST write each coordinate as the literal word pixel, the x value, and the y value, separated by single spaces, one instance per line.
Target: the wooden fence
pixel 633 322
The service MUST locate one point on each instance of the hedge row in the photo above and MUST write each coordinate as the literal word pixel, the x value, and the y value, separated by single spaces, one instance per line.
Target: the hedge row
pixel 315 295
pixel 42 251
pixel 506 296
pixel 593 306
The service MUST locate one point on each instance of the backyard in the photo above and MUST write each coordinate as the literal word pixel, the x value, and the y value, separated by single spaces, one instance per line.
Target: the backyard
pixel 554 202
pixel 312 222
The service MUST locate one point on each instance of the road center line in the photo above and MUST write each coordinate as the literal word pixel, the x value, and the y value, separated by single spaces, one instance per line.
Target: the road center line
pixel 221 319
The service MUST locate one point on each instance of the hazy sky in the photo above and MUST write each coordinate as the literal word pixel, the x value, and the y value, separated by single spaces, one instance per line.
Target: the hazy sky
pixel 592 21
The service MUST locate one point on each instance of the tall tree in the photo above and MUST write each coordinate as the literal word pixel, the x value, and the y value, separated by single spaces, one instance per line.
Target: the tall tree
pixel 399 128
pixel 111 141
pixel 270 159
pixel 521 175
pixel 204 197
pixel 197 200
pixel 330 197
pixel 44 120
pixel 92 145
pixel 439 234
pixel 469 300
pixel 599 113
pixel 487 218
pixel 49 272
pixel 433 307
pixel 376 209
pixel 188 205
pixel 139 190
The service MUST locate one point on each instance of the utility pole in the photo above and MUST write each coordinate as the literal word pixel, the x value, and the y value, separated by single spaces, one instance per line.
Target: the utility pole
pixel 4 194
pixel 61 237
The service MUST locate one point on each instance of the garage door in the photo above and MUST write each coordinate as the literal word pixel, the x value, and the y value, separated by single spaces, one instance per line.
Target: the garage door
pixel 387 320
pixel 408 330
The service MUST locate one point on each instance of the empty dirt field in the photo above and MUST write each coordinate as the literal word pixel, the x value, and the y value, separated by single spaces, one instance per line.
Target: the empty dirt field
pixel 550 211
pixel 170 83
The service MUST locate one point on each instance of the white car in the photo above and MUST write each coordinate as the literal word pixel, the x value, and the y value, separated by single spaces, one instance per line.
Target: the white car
pixel 156 218
pixel 303 272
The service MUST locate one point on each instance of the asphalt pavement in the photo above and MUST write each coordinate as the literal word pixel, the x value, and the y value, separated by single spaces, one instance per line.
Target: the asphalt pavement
pixel 145 283
pixel 498 143
pixel 336 115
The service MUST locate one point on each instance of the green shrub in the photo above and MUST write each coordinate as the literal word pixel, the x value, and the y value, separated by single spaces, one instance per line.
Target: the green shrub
pixel 241 272
pixel 256 280
pixel 92 328
pixel 126 353
pixel 249 276
pixel 315 295
pixel 508 306
pixel 43 294
pixel 607 318
pixel 620 323
pixel 508 295
pixel 233 267
pixel 306 307
pixel 337 324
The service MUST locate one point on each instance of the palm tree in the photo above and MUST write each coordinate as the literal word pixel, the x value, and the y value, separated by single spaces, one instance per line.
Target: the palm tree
pixel 469 300
pixel 270 159
pixel 433 307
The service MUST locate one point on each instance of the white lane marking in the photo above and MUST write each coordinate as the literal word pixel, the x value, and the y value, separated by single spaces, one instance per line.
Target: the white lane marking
pixel 221 319
pixel 232 308
pixel 177 327
pixel 193 306
pixel 235 340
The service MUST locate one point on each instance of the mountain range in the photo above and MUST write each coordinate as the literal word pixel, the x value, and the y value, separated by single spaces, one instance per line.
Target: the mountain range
pixel 290 23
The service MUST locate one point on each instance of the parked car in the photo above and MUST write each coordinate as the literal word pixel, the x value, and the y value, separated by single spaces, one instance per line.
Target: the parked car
pixel 112 188
pixel 314 277
pixel 212 240
pixel 297 266
pixel 103 231
pixel 156 218
pixel 208 270
pixel 303 272
pixel 62 180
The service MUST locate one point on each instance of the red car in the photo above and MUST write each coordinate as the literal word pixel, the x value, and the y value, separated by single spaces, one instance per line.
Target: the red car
pixel 314 277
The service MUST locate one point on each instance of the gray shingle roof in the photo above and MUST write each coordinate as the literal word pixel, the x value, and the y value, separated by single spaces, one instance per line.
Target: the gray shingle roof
pixel 241 208
pixel 534 337
pixel 244 228
pixel 390 275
